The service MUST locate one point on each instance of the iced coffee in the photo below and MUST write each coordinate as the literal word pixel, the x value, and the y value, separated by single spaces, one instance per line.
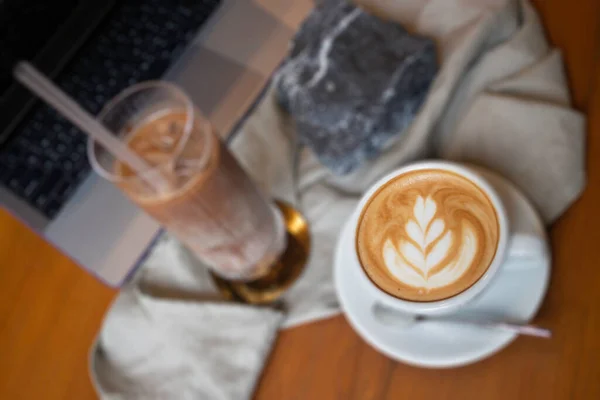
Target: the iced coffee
pixel 196 189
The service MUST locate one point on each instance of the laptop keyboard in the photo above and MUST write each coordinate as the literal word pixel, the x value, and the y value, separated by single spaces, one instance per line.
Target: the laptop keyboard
pixel 45 160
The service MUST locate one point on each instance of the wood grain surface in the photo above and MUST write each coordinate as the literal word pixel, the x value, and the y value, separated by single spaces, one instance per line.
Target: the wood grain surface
pixel 50 309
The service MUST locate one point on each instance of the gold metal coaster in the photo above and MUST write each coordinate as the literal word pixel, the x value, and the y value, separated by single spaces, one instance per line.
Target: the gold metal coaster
pixel 283 274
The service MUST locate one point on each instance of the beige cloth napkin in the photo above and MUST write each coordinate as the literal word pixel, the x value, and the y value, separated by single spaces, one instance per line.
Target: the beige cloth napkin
pixel 500 100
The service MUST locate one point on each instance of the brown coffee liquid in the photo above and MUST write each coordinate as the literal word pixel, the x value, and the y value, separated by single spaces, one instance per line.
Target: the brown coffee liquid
pixel 427 235
pixel 206 199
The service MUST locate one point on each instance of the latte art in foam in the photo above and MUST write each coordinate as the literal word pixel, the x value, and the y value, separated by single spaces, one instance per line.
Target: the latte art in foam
pixel 427 235
pixel 423 260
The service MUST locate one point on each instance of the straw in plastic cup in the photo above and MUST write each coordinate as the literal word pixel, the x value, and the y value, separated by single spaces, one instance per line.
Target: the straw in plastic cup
pixel 44 88
pixel 205 199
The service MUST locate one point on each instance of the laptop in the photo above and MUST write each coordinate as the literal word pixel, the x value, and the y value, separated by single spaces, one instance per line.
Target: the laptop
pixel 221 52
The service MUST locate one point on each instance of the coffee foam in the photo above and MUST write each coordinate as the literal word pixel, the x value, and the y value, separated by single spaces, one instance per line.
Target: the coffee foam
pixel 427 235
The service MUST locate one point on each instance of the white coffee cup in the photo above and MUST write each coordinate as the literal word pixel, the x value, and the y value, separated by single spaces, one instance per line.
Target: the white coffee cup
pixel 512 249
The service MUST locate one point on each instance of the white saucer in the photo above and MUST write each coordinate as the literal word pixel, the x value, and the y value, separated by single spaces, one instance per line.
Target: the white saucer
pixel 515 295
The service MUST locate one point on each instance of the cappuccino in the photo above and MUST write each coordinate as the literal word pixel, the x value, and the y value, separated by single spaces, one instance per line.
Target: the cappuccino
pixel 427 235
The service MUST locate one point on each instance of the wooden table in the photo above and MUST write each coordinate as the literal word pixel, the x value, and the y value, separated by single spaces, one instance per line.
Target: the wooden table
pixel 50 309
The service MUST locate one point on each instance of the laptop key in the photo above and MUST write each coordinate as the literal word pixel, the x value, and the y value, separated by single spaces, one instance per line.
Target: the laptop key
pixel 61 189
pixel 33 161
pixel 15 185
pixel 31 188
pixel 41 201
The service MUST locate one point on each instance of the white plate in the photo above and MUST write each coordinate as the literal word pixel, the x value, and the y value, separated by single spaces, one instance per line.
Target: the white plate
pixel 516 294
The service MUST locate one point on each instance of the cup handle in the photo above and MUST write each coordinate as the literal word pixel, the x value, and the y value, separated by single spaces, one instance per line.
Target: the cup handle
pixel 525 251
